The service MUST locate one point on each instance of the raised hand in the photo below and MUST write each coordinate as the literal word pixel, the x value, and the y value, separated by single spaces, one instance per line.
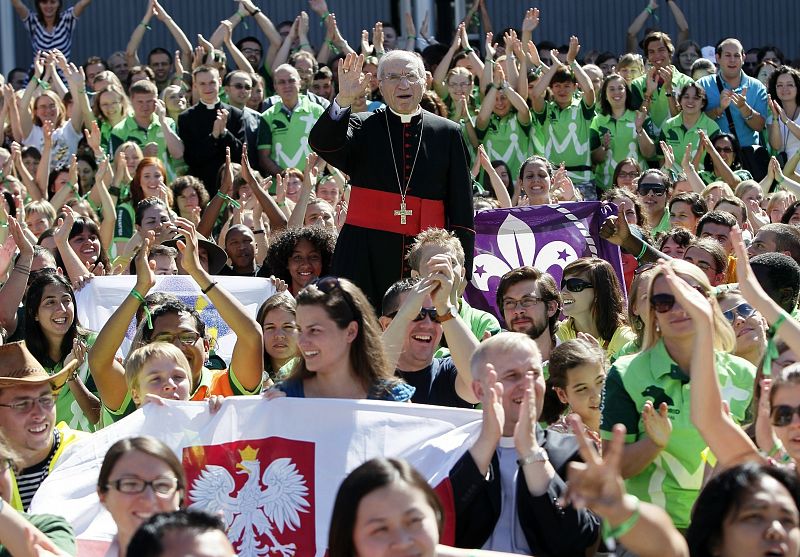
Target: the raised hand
pixel 218 129
pixel 657 424
pixel 725 99
pixel 615 229
pixel 531 20
pixel 669 154
pixel 651 83
pixel 443 277
pixel 377 38
pixel 489 47
pixel 574 49
pixel 188 246
pixel 93 137
pixel 525 429
pixel 366 48
pixel 353 84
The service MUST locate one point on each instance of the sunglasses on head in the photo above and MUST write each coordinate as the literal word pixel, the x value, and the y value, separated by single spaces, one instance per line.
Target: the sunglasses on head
pixel 575 284
pixel 657 189
pixel 742 310
pixel 327 284
pixel 662 303
pixel 782 415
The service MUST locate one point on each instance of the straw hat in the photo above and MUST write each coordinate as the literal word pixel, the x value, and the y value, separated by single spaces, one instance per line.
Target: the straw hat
pixel 19 367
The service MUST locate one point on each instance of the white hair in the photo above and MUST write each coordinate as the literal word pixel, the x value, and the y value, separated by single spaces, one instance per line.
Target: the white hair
pixel 404 55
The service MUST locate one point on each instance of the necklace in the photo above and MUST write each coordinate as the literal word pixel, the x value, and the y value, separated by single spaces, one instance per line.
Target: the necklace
pixel 403 212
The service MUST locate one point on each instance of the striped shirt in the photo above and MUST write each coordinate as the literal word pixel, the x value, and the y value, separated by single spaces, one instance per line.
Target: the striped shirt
pixel 29 479
pixel 60 37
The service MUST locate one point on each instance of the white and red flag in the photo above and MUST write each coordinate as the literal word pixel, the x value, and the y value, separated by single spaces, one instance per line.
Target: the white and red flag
pixel 271 468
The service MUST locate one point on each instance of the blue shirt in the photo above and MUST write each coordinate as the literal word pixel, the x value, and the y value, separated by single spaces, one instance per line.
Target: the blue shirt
pixel 397 392
pixel 756 98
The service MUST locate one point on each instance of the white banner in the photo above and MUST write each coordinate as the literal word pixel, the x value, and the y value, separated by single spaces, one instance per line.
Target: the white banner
pixel 302 448
pixel 101 297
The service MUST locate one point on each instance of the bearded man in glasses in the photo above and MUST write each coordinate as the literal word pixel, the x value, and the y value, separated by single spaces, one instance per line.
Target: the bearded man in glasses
pixel 408 169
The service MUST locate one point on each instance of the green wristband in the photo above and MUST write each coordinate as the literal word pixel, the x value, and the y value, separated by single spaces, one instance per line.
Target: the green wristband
pixel 612 532
pixel 229 199
pixel 147 314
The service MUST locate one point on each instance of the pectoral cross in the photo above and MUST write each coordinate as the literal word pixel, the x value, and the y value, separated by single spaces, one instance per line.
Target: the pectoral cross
pixel 402 212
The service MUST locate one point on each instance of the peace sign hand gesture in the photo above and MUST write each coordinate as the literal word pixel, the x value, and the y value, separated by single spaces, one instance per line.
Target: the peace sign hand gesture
pixel 352 83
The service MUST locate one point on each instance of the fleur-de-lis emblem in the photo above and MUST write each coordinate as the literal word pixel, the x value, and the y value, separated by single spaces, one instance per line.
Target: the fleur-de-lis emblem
pixel 517 246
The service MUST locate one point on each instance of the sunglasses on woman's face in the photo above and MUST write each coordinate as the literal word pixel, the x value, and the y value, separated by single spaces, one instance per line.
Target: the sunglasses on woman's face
pixel 575 284
pixel 662 303
pixel 782 415
pixel 742 310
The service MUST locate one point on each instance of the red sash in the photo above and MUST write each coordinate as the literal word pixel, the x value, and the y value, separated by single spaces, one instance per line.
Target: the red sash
pixel 376 210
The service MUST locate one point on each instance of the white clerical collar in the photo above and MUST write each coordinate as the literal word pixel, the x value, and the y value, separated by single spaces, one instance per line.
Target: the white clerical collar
pixel 406 118
pixel 211 106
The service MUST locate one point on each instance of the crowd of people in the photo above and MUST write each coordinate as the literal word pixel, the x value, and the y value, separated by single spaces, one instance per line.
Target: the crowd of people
pixel 651 412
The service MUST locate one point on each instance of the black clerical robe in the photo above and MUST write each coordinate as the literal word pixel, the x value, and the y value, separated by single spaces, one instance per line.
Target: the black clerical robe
pixel 428 153
pixel 203 153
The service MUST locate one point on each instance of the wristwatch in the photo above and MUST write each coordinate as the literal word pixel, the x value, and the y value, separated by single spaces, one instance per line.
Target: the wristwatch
pixel 446 316
pixel 536 455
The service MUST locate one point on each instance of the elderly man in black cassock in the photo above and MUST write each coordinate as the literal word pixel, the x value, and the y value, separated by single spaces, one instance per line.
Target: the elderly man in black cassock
pixel 408 170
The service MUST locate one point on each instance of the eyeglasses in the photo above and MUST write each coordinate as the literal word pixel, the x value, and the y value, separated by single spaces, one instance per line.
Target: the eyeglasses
pixel 656 189
pixel 395 78
pixel 162 487
pixel 782 415
pixel 662 303
pixel 186 339
pixel 575 284
pixel 526 302
pixel 251 51
pixel 455 84
pixel 430 312
pixel 742 310
pixel 26 405
pixel 242 86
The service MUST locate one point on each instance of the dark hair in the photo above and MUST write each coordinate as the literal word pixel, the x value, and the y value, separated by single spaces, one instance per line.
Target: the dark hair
pixel 563 75
pixel 146 204
pixel 702 64
pixel 679 235
pixel 391 300
pixel 183 182
pixel 641 217
pixel 564 357
pixel 771 48
pixel 737 151
pixel 695 202
pixel 772 84
pixel 144 444
pixel 148 541
pixel 661 175
pixel 53 176
pixel 787 236
pixel 370 476
pixel 433 103
pixel 790 375
pixel 777 272
pixel 283 244
pixel 77 228
pixel 722 218
pixel 34 336
pixel 548 290
pixel 712 247
pixel 699 91
pixel 789 212
pixel 345 303
pixel 40 13
pixel 487 183
pixel 733 201
pixel 248 39
pixel 279 300
pixel 608 306
pixel 548 165
pixel 658 36
pixel 605 105
pixel 723 495
pixel 159 50
pixel 683 47
pixel 146 70
pixel 173 305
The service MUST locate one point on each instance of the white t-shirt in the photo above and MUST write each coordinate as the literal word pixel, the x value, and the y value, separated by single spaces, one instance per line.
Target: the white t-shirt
pixel 65 143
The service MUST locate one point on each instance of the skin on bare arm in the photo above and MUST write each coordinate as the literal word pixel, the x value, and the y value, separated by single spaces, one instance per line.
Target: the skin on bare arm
pixel 12 292
pixel 440 73
pixel 297 219
pixel 108 373
pixel 500 191
pixel 73 266
pixel 247 360
pixel 276 217
pixel 597 483
pixel 529 24
pixel 729 443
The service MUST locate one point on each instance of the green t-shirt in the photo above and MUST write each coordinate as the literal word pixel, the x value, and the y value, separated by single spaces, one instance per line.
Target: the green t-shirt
pixel 129 130
pixel 675 134
pixel 624 143
pixel 659 106
pixel 565 134
pixel 67 408
pixel 663 225
pixel 673 480
pixel 56 528
pixel 123 227
pixel 505 138
pixel 285 134
pixel 479 322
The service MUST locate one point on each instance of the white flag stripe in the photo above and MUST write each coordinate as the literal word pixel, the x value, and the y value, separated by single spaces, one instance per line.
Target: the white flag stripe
pixel 345 433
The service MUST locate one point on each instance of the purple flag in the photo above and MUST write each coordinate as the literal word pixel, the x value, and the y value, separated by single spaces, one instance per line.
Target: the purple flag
pixel 546 237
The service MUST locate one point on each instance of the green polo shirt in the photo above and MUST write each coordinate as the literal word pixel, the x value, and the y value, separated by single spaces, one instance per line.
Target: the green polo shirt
pixel 675 133
pixel 673 480
pixel 505 138
pixel 624 143
pixel 129 130
pixel 659 106
pixel 285 133
pixel 565 135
